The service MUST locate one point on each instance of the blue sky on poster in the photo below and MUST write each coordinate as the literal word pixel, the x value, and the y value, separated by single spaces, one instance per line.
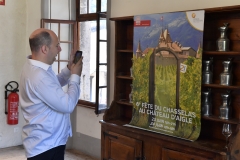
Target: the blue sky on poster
pixel 178 26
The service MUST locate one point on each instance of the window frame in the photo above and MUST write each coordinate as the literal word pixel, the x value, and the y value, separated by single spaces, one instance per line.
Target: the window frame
pixel 94 17
pixel 74 42
pixel 76 30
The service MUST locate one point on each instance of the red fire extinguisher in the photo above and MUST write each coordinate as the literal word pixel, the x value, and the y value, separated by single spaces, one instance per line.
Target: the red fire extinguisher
pixel 11 103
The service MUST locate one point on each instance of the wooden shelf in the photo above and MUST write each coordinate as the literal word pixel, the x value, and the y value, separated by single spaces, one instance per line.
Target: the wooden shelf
pixel 124 77
pixel 218 86
pixel 217 119
pixel 218 53
pixel 122 18
pixel 125 51
pixel 124 102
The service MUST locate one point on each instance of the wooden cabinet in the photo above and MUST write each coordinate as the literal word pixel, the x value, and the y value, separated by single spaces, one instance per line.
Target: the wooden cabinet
pixel 121 147
pixel 172 155
pixel 120 142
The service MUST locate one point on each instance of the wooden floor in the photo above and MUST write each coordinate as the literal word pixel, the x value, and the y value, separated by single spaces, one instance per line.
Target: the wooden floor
pixel 18 153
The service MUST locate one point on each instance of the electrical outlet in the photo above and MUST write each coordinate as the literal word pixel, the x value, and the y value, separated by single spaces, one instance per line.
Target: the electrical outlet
pixel 16 129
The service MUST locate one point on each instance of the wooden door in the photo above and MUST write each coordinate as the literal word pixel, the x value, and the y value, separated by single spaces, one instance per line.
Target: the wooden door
pixel 119 147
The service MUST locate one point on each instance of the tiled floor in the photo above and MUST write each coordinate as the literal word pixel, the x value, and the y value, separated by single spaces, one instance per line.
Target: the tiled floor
pixel 17 153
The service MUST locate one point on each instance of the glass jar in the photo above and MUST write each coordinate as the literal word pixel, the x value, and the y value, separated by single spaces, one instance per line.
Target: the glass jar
pixel 226 75
pixel 206 103
pixel 223 41
pixel 225 109
pixel 207 73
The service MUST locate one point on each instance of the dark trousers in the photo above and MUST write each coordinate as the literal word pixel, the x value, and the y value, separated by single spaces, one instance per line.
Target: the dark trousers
pixel 56 153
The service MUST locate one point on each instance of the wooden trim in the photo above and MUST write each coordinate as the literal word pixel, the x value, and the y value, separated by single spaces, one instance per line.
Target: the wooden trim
pixel 221 9
pixel 218 86
pixel 217 119
pixel 86 104
pixel 66 41
pixel 207 10
pixel 121 18
pixel 57 21
pixel 61 61
pixel 87 17
pixel 228 53
pixel 127 51
pixel 203 143
pixel 77 9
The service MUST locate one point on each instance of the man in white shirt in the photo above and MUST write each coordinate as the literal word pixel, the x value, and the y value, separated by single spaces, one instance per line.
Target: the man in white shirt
pixel 46 107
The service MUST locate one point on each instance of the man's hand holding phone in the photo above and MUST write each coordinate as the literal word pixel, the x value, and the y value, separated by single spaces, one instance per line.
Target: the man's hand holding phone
pixel 77 56
pixel 76 67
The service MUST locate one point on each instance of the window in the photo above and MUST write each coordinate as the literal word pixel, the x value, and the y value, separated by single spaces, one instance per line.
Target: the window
pixel 88 34
pixel 66 31
pixel 92 37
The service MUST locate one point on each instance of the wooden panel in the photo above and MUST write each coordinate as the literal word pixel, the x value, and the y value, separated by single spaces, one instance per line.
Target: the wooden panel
pixel 211 33
pixel 119 147
pixel 124 35
pixel 124 89
pixel 152 151
pixel 126 152
pixel 123 63
pixel 174 155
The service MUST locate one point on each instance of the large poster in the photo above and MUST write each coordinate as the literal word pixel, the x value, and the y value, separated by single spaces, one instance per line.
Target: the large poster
pixel 167 66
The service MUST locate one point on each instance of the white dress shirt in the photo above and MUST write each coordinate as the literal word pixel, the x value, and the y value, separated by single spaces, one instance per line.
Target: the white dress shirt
pixel 45 106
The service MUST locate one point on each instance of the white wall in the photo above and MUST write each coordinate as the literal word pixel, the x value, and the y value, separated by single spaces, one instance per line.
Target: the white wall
pixel 13 41
pixel 12 49
pixel 88 122
pixel 33 18
pixel 138 7
pixel 18 19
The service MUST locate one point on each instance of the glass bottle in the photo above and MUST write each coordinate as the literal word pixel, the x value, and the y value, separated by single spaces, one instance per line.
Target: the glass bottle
pixel 223 41
pixel 225 109
pixel 206 103
pixel 226 75
pixel 207 73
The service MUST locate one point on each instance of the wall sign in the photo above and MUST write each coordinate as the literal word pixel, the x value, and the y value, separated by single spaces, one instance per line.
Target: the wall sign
pixel 167 64
pixel 2 2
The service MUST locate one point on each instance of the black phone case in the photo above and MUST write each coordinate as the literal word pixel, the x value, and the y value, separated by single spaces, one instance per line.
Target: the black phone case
pixel 77 56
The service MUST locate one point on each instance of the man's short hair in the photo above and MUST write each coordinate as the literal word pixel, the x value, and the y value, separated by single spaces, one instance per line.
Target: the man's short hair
pixel 36 42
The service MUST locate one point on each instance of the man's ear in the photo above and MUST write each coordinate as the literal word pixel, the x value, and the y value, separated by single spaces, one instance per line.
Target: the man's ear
pixel 44 49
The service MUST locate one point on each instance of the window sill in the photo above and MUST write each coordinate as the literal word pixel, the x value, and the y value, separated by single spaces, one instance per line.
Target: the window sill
pixel 86 104
pixel 90 105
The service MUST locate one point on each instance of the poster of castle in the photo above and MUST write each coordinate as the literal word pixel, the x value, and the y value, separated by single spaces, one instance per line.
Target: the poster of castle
pixel 167 66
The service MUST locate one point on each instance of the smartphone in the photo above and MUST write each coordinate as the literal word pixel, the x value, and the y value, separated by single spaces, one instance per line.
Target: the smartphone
pixel 77 56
